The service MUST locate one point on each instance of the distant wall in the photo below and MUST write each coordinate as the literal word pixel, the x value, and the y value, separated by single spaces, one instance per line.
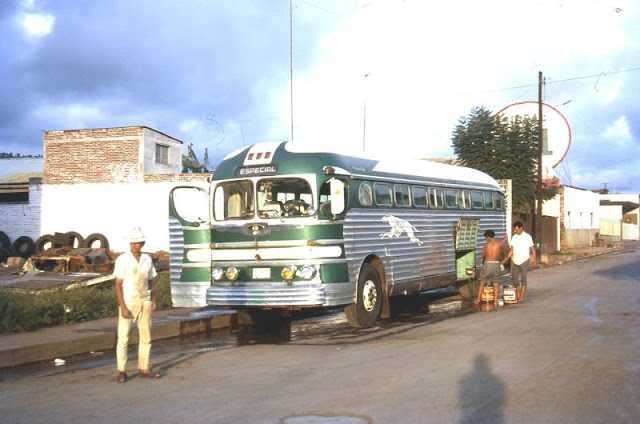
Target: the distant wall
pixel 23 219
pixel 580 218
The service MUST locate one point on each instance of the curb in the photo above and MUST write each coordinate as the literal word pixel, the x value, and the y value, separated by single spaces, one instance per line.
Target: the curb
pixel 68 341
pixel 553 260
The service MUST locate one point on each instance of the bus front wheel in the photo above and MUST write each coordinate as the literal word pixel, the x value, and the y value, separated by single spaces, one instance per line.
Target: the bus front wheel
pixel 366 310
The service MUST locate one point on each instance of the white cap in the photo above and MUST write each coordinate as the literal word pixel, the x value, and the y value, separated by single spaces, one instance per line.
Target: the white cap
pixel 136 235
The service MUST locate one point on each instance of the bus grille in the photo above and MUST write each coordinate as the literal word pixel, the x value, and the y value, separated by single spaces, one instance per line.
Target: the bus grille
pixel 266 295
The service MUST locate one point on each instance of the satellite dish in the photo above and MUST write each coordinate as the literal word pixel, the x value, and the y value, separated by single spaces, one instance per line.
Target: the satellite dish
pixel 556 136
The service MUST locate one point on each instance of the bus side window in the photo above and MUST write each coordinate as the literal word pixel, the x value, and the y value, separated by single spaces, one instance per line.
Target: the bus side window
pixel 419 196
pixel 465 199
pixel 499 198
pixel 401 194
pixel 488 200
pixel 476 200
pixel 365 194
pixel 451 198
pixel 435 198
pixel 382 193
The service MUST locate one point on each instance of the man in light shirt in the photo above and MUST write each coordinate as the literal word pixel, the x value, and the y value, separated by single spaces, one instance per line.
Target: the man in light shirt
pixel 522 249
pixel 133 274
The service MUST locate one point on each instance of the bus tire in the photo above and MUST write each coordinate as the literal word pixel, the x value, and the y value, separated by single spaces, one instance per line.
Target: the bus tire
pixel 366 310
pixel 43 243
pixel 96 237
pixel 24 247
pixel 77 239
pixel 468 289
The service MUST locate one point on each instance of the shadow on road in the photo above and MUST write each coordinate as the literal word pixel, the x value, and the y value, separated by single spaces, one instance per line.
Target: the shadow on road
pixel 481 394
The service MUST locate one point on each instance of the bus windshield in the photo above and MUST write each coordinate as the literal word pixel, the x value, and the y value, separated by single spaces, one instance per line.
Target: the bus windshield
pixel 284 198
pixel 234 200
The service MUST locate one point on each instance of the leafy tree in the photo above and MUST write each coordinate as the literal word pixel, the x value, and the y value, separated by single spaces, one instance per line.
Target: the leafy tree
pixel 17 155
pixel 505 149
pixel 190 162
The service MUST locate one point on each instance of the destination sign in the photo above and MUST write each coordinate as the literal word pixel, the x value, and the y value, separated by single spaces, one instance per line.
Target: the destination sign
pixel 258 170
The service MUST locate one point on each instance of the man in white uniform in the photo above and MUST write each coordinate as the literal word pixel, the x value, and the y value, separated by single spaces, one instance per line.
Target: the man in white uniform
pixel 522 248
pixel 133 274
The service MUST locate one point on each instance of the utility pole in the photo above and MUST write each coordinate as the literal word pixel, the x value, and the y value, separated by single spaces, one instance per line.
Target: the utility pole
pixel 291 61
pixel 364 113
pixel 537 223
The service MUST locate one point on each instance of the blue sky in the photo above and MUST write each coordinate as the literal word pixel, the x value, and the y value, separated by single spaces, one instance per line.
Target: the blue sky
pixel 392 75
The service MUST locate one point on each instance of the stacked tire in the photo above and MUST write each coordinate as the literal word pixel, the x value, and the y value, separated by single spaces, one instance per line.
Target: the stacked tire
pixel 5 247
pixel 24 246
pixel 92 241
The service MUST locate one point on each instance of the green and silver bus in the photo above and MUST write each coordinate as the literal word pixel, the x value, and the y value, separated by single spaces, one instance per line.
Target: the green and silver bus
pixel 286 225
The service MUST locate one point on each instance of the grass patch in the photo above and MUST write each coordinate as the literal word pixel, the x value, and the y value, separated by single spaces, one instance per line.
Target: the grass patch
pixel 21 312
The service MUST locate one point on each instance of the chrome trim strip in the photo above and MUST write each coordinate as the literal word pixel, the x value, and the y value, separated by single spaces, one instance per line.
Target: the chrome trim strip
pixel 276 243
pixel 281 295
pixel 258 264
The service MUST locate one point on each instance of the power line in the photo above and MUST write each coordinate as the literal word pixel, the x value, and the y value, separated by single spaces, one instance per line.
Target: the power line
pixel 599 75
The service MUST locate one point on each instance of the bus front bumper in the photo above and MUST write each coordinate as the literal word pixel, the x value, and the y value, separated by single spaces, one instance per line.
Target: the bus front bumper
pixel 281 295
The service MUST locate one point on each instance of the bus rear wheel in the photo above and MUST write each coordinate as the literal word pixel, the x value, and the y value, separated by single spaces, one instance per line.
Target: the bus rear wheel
pixel 366 310
pixel 468 289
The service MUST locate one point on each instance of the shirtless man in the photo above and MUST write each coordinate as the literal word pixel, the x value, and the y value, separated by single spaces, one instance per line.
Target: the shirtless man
pixel 490 265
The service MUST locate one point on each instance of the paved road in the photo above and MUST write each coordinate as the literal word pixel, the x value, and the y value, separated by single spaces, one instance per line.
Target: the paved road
pixel 570 354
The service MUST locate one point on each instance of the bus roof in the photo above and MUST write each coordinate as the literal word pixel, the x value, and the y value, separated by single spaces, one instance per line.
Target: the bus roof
pixel 300 157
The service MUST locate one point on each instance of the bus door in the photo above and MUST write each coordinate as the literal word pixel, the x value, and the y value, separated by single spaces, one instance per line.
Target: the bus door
pixel 189 245
pixel 466 246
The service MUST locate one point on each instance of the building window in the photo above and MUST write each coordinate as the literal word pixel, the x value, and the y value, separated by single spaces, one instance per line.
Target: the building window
pixel 162 154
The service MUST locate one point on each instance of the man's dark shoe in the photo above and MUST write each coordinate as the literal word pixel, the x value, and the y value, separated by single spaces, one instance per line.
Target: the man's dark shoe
pixel 122 377
pixel 149 374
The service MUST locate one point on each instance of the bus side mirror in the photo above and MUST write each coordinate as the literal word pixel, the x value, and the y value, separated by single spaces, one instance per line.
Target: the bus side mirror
pixel 337 196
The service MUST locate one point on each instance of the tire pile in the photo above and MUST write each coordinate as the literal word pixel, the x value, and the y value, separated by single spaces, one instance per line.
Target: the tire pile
pixel 25 246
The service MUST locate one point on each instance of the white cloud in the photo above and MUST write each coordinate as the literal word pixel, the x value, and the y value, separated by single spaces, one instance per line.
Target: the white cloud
pixel 70 116
pixel 618 132
pixel 37 25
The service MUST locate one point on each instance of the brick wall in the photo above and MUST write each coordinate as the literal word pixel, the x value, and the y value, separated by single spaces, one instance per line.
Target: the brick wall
pixel 98 155
pixel 178 178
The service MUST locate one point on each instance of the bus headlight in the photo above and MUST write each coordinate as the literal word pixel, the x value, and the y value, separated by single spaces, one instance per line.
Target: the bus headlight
pixel 232 273
pixel 308 272
pixel 216 273
pixel 288 272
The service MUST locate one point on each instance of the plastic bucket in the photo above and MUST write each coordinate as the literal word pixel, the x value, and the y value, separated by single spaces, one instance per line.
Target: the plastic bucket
pixel 487 294
pixel 509 294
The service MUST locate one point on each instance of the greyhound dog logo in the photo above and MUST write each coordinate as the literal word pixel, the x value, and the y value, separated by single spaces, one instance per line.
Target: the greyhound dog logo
pixel 399 226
